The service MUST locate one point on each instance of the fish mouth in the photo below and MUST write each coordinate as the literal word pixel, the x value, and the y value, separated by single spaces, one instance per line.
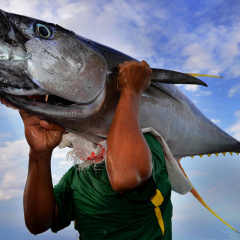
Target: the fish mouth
pixel 54 108
pixel 45 101
pixel 37 101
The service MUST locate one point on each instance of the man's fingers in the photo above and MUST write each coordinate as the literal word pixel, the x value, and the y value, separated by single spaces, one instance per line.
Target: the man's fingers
pixel 43 123
pixel 144 63
pixel 120 65
pixel 51 126
pixel 126 63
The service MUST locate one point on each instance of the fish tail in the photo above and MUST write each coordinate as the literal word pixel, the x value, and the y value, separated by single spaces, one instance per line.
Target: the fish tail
pixel 198 197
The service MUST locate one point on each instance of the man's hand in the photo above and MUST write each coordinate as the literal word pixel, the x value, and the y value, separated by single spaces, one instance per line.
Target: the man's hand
pixel 134 75
pixel 41 135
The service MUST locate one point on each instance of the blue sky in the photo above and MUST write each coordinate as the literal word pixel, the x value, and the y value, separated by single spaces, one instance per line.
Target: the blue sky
pixel 188 36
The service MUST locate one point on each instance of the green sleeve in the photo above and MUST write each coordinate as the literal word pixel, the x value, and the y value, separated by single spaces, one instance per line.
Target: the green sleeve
pixel 64 201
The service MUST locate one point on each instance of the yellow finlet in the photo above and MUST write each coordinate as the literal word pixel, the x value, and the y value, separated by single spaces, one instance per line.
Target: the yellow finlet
pixel 231 153
pixel 198 197
pixel 216 154
pixel 202 75
pixel 201 155
pixel 223 153
pixel 192 157
pixel 209 154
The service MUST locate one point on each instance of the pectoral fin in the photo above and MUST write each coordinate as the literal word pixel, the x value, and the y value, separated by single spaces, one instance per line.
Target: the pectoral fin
pixel 172 77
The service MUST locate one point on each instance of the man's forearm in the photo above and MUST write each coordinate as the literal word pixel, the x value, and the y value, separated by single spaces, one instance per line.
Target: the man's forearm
pixel 39 203
pixel 128 156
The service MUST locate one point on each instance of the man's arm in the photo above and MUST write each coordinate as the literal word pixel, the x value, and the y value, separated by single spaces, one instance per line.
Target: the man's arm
pixel 39 205
pixel 129 162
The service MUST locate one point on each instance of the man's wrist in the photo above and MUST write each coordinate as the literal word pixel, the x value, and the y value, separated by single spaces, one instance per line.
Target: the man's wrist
pixel 130 92
pixel 40 156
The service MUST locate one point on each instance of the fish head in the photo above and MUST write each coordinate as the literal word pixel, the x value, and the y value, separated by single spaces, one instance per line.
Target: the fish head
pixel 39 59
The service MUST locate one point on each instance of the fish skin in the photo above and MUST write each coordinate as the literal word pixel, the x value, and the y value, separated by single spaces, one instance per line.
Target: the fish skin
pixel 84 73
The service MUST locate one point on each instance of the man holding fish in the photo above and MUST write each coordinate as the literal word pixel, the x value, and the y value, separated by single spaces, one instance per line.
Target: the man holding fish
pixel 61 77
pixel 125 197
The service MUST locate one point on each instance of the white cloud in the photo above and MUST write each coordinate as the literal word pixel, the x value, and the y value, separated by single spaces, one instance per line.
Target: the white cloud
pixel 206 93
pixel 65 163
pixel 235 129
pixel 212 190
pixel 215 121
pixel 14 165
pixel 192 88
pixel 233 90
pixel 24 7
pixel 196 173
pixel 12 183
pixel 12 153
pixel 60 153
pixel 197 56
pixel 4 135
pixel 12 170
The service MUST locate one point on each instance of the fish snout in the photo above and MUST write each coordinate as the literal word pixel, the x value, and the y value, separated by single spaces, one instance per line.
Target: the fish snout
pixel 8 33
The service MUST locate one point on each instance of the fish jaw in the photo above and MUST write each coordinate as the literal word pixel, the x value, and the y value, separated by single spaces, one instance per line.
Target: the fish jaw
pixel 55 109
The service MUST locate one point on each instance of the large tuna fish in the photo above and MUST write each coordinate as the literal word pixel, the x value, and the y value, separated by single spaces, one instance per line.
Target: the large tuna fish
pixel 39 59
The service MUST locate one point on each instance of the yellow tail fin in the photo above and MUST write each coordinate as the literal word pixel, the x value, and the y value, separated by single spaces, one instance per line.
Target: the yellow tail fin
pixel 198 197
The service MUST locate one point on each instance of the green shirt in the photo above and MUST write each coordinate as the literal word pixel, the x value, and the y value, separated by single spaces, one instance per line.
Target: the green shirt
pixel 86 197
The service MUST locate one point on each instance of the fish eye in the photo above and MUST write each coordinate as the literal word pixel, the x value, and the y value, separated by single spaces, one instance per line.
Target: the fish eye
pixel 43 31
